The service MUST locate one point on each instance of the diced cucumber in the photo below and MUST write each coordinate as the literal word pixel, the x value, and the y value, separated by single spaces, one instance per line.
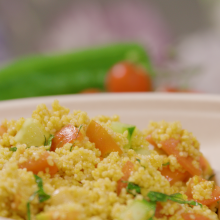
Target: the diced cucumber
pixel 121 128
pixel 139 210
pixel 32 133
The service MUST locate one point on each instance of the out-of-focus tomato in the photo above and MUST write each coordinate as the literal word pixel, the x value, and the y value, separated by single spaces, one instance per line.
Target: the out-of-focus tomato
pixel 91 90
pixel 127 77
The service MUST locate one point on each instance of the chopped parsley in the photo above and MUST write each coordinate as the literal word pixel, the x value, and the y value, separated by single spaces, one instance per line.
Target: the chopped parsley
pixel 211 177
pixel 42 196
pixel 177 197
pixel 166 164
pixel 48 142
pixel 13 149
pixel 131 187
pixel 76 138
pixel 138 160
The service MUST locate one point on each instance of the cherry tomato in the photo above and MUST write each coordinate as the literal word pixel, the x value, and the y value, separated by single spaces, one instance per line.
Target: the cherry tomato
pixel 127 77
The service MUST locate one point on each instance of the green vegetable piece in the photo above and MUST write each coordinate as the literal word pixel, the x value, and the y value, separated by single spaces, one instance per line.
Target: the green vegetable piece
pixel 121 128
pixel 166 164
pixel 133 187
pixel 66 73
pixel 13 149
pixel 211 177
pixel 42 196
pixel 32 133
pixel 177 197
pixel 49 142
pixel 139 210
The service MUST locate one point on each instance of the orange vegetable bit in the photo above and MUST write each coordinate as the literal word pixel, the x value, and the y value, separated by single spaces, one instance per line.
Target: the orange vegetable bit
pixel 170 147
pixel 175 176
pixel 3 130
pixel 153 143
pixel 126 170
pixel 159 207
pixel 215 193
pixel 102 139
pixel 194 216
pixel 40 165
pixel 67 134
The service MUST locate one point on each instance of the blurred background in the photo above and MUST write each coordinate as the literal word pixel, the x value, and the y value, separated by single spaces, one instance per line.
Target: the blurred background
pixel 181 37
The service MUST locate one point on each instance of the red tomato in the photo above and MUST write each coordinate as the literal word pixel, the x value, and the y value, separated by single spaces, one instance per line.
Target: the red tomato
pixel 67 134
pixel 39 165
pixel 194 216
pixel 175 176
pixel 126 170
pixel 91 90
pixel 127 77
pixel 3 129
pixel 170 147
pixel 215 193
pixel 152 142
pixel 102 139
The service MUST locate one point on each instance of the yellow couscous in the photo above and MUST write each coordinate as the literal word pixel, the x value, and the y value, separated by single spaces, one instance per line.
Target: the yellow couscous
pixel 59 165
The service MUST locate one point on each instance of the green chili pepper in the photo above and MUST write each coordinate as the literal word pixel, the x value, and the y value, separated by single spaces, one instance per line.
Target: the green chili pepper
pixel 68 73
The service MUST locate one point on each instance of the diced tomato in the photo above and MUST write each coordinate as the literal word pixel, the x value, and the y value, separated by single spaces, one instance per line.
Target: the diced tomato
pixel 3 130
pixel 159 207
pixel 170 147
pixel 194 216
pixel 175 176
pixel 102 139
pixel 126 170
pixel 152 142
pixel 215 193
pixel 39 165
pixel 67 134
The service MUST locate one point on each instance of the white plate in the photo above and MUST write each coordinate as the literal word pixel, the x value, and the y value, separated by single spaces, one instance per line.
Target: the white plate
pixel 197 113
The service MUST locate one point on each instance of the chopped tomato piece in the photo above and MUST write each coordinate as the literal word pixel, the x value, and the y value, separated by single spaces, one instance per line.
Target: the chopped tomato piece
pixel 3 130
pixel 170 147
pixel 126 170
pixel 175 176
pixel 102 139
pixel 194 216
pixel 159 207
pixel 67 134
pixel 215 193
pixel 40 165
pixel 152 142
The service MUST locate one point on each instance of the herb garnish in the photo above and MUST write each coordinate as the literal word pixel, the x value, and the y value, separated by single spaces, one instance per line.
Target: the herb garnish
pixel 132 186
pixel 211 177
pixel 166 164
pixel 42 196
pixel 177 197
pixel 13 149
pixel 138 160
pixel 76 137
pixel 48 142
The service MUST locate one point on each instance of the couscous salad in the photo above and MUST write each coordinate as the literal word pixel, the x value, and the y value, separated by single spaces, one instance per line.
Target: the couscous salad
pixel 58 165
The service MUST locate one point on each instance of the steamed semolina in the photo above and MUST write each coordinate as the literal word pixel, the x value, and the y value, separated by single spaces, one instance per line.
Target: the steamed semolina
pixel 83 183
